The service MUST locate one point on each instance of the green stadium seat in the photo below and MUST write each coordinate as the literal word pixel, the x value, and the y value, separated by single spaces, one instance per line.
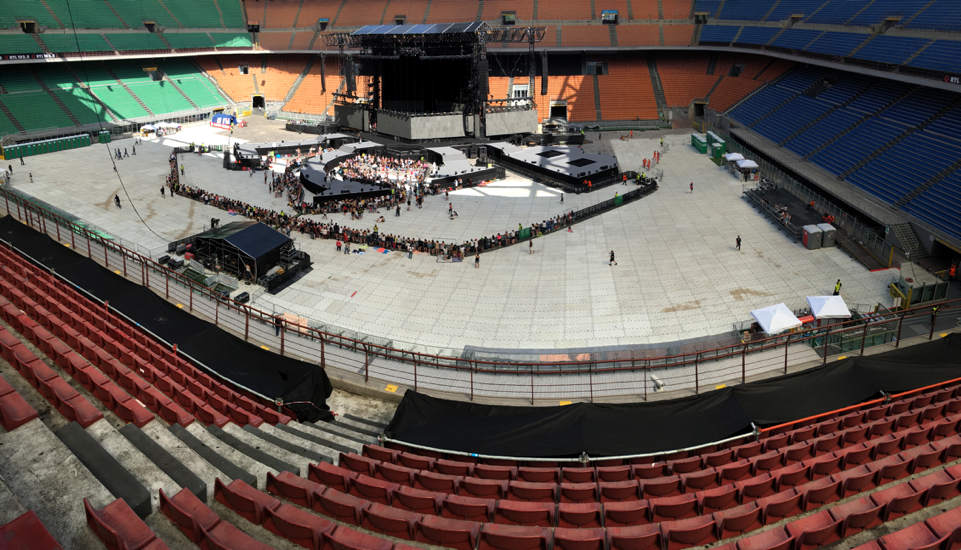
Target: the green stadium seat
pixel 86 14
pixel 160 97
pixel 195 13
pixel 85 108
pixel 233 13
pixel 36 110
pixel 231 40
pixel 129 42
pixel 19 43
pixel 200 93
pixel 16 78
pixel 135 13
pixel 6 126
pixel 31 10
pixel 59 42
pixel 119 101
pixel 189 40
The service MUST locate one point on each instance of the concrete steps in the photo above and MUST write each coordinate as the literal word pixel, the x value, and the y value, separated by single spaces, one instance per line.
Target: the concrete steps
pixel 46 477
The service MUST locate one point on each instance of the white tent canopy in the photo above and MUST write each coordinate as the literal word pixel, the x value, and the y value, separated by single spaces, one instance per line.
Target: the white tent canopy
pixel 730 157
pixel 746 164
pixel 775 319
pixel 828 307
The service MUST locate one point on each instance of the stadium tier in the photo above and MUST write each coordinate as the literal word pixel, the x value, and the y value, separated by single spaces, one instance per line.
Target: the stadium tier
pixel 893 140
pixel 919 14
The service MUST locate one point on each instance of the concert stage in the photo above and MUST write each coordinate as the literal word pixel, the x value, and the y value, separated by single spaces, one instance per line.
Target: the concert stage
pixel 567 167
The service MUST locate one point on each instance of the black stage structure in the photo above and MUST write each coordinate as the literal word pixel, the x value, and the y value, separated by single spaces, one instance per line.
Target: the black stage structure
pixel 251 251
pixel 429 81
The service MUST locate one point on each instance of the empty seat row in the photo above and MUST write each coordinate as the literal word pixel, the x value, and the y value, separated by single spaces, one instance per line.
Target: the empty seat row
pixel 118 526
pixel 27 531
pixel 118 349
pixel 14 409
pixel 55 389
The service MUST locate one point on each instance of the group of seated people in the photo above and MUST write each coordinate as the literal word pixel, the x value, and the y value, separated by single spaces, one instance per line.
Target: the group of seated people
pixel 384 170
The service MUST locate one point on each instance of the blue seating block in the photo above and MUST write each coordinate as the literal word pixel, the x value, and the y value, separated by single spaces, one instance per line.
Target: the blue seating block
pixel 942 55
pixel 786 8
pixel 744 9
pixel 795 39
pixel 941 15
pixel 836 43
pixel 710 6
pixel 882 9
pixel 757 35
pixel 857 144
pixel 718 34
pixel 837 12
pixel 890 49
pixel 820 133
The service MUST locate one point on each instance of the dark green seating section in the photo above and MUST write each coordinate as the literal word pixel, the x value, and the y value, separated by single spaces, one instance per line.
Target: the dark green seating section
pixel 188 40
pixel 130 42
pixel 36 110
pixel 19 43
pixel 87 14
pixel 61 42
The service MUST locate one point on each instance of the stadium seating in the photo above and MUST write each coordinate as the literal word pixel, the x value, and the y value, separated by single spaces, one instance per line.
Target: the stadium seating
pixel 69 42
pixel 684 80
pixel 309 97
pixel 941 14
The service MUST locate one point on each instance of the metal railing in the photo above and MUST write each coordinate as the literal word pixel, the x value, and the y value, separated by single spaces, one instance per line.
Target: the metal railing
pixel 361 357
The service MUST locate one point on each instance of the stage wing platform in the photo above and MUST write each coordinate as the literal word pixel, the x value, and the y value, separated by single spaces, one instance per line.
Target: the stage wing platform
pixel 314 178
pixel 564 166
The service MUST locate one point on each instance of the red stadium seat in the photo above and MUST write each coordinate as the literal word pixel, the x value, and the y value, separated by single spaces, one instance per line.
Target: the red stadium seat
pixel 578 475
pixel 389 521
pixel 226 536
pixel 816 530
pixel 781 505
pixel 340 506
pixel 358 463
pixel 537 475
pixel 898 500
pixel 491 471
pixel 515 512
pixel 494 536
pixel 773 539
pixel 738 519
pixel 441 483
pixel 380 453
pixel 856 515
pixel 247 501
pixel 119 527
pixel 188 513
pixel 626 513
pixel 417 500
pixel 818 492
pixel 453 467
pixel 417 462
pixel 395 473
pixel 636 537
pixel 613 491
pixel 615 473
pixel 579 515
pixel 469 508
pixel 718 498
pixel 683 533
pixel 345 538
pixel 699 479
pixel 936 486
pixel 472 486
pixel 294 488
pixel 450 533
pixel 27 532
pixel 914 537
pixel 578 539
pixel 674 507
pixel 15 411
pixel 532 491
pixel 579 492
pixel 330 475
pixel 647 471
pixel 946 525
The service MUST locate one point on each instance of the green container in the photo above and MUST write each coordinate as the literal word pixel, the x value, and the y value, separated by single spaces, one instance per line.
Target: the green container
pixel 524 234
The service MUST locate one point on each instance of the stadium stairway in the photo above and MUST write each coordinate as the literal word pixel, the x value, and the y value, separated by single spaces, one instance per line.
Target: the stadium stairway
pixel 93 428
pixel 129 91
pixel 187 97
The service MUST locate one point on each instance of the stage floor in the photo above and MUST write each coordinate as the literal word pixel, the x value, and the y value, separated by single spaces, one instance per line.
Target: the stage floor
pixel 678 275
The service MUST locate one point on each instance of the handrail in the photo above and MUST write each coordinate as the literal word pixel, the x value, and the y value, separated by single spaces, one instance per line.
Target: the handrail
pixel 533 368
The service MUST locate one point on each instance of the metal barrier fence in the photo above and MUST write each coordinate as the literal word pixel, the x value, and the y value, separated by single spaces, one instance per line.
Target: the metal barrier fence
pixel 361 357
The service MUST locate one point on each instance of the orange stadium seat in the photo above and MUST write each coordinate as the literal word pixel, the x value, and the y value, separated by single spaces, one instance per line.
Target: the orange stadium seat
pixel 279 13
pixel 445 11
pixel 493 9
pixel 678 35
pixel 677 9
pixel 309 98
pixel 568 10
pixel 280 76
pixel 577 90
pixel 313 10
pixel 302 40
pixel 627 92
pixel 414 10
pixel 255 12
pixel 585 35
pixel 641 9
pixel 638 35
pixel 275 40
pixel 358 14
pixel 684 80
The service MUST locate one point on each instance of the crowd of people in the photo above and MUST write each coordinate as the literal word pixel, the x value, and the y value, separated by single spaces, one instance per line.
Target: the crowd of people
pixel 346 236
pixel 383 170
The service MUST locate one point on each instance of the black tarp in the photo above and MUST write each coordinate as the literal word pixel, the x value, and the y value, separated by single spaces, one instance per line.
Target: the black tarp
pixel 636 428
pixel 246 364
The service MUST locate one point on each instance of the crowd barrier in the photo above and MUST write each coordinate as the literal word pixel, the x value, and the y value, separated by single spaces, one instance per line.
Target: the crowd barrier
pixel 361 358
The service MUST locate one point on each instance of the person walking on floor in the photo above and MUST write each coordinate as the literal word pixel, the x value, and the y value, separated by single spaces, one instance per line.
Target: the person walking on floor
pixel 116 200
pixel 612 261
pixel 277 323
pixel 476 260
pixel 530 246
pixel 837 288
pixel 31 176
pixel 737 243
pixel 692 187
pixel 163 192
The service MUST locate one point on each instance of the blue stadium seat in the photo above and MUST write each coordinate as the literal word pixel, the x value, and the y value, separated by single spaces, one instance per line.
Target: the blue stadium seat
pixel 756 35
pixel 837 12
pixel 918 107
pixel 941 55
pixel 744 9
pixel 836 43
pixel 796 39
pixel 709 6
pixel 942 14
pixel 782 123
pixel 718 34
pixel 879 10
pixel 857 144
pixel 786 8
pixel 817 135
pixel 894 50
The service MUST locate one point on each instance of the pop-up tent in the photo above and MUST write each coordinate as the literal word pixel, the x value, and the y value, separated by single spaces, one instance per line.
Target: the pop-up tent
pixel 732 157
pixel 775 319
pixel 746 164
pixel 828 307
